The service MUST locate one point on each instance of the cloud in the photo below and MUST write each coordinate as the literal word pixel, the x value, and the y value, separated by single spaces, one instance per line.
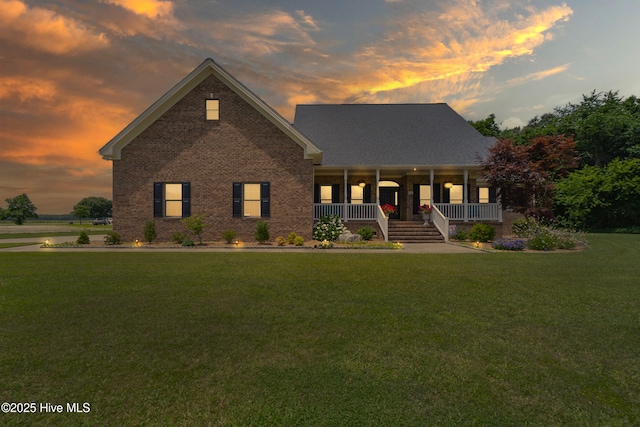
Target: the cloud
pixel 150 8
pixel 538 75
pixel 44 30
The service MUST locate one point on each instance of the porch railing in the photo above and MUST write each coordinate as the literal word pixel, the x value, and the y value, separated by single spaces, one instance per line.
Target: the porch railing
pixel 383 222
pixel 471 211
pixel 348 212
pixel 441 222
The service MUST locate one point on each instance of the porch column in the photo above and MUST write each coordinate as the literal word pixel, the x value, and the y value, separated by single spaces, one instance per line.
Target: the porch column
pixel 378 186
pixel 346 216
pixel 465 196
pixel 431 177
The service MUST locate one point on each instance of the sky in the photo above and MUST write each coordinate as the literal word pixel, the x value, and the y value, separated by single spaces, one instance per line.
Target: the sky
pixel 73 73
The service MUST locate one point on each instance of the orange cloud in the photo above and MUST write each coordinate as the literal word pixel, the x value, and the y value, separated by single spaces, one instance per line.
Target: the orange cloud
pixel 538 75
pixel 149 8
pixel 45 30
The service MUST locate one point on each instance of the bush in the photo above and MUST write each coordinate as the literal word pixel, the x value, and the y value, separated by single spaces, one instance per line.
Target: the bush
pixel 298 241
pixel 481 233
pixel 291 237
pixel 229 235
pixel 112 238
pixel 325 244
pixel 188 242
pixel 83 239
pixel 460 236
pixel 329 228
pixel 195 224
pixel 522 227
pixel 179 237
pixel 366 232
pixel 281 241
pixel 262 231
pixel 542 242
pixel 509 244
pixel 150 231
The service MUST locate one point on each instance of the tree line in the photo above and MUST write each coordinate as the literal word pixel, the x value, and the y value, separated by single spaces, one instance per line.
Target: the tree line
pixel 578 165
pixel 20 208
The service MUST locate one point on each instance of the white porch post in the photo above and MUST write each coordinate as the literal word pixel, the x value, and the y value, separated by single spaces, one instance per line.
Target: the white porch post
pixel 346 208
pixel 431 176
pixel 378 186
pixel 465 196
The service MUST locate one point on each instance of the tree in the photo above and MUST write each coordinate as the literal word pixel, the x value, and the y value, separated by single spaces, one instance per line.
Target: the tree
pixel 487 127
pixel 594 197
pixel 19 209
pixel 99 207
pixel 525 174
pixel 81 211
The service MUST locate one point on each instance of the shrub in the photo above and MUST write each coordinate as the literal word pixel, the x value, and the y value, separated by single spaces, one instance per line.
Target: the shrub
pixel 112 238
pixel 481 233
pixel 229 235
pixel 542 242
pixel 325 244
pixel 329 228
pixel 262 231
pixel 150 231
pixel 195 224
pixel 83 238
pixel 522 227
pixel 509 244
pixel 460 235
pixel 281 241
pixel 178 237
pixel 188 242
pixel 291 237
pixel 366 232
pixel 298 241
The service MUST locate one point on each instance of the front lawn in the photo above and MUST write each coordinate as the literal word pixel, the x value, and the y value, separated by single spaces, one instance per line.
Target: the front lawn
pixel 324 338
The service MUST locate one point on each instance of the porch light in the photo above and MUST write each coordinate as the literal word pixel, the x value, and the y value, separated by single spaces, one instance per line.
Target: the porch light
pixel 361 184
pixel 448 185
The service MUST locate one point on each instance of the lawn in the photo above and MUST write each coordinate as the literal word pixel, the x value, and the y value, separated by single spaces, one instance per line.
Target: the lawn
pixel 324 338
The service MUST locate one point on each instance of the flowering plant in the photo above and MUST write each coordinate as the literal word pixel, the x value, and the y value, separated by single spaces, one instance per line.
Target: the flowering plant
pixel 388 209
pixel 425 209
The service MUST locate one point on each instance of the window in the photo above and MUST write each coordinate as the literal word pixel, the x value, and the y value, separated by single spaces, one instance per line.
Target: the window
pixel 251 200
pixel 455 194
pixel 357 195
pixel 483 195
pixel 326 194
pixel 213 109
pixel 171 199
pixel 425 195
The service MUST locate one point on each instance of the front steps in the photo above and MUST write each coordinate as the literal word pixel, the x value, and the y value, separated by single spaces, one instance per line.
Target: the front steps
pixel 414 232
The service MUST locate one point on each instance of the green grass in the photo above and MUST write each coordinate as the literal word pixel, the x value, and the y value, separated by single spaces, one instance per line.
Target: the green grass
pixel 324 338
pixel 15 245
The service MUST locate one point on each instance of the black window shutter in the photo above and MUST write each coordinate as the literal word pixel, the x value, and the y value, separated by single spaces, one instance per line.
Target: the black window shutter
pixel 436 193
pixel 366 194
pixel 446 195
pixel 186 199
pixel 157 199
pixel 237 199
pixel 348 194
pixel 265 199
pixel 467 194
pixel 335 193
pixel 316 193
pixel 416 197
pixel 493 197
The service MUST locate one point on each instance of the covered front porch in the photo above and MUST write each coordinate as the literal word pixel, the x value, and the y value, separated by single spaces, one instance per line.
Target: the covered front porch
pixel 358 195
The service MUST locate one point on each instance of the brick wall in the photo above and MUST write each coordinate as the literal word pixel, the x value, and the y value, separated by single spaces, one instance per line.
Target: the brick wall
pixel 243 146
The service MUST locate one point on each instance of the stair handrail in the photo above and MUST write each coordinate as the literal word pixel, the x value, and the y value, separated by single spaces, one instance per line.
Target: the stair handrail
pixel 441 222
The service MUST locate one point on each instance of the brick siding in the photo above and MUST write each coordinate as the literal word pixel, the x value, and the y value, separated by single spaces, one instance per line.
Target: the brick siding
pixel 243 146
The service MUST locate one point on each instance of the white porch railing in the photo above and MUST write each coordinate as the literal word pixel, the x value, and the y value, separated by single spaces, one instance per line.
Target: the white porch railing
pixel 348 212
pixel 441 222
pixel 471 211
pixel 383 222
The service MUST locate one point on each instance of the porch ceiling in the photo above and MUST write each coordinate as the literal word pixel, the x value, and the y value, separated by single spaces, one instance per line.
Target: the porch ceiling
pixel 398 171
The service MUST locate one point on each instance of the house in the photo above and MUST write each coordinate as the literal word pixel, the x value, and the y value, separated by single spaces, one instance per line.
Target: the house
pixel 211 146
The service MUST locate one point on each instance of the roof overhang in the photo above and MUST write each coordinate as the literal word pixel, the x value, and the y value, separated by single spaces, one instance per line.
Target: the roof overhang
pixel 112 149
pixel 396 170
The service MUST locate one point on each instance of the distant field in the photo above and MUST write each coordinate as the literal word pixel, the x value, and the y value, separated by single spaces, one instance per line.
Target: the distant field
pixel 9 230
pixel 324 338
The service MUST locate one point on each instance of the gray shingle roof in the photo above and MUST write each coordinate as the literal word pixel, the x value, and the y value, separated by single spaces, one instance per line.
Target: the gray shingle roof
pixel 391 134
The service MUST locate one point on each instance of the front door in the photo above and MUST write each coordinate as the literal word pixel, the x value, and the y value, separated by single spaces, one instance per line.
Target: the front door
pixel 389 196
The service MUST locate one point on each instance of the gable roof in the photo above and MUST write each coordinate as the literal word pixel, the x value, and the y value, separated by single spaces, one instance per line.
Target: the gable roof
pixel 113 148
pixel 391 135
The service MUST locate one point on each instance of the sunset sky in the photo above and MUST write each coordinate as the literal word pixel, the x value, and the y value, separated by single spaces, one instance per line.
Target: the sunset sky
pixel 73 73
